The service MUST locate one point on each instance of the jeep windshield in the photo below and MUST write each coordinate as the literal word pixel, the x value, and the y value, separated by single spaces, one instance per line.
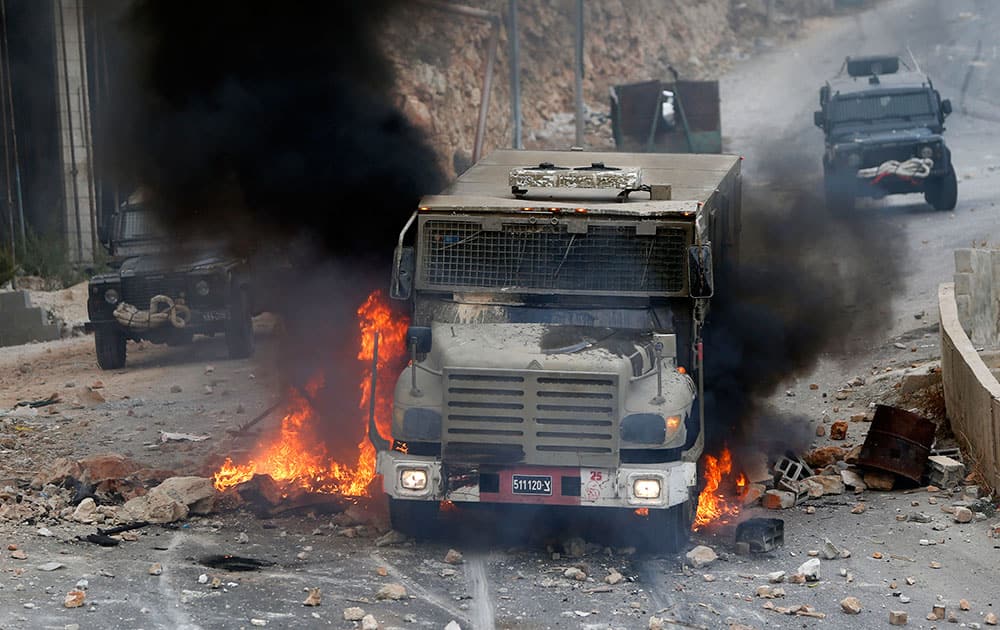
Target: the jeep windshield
pixel 137 232
pixel 875 109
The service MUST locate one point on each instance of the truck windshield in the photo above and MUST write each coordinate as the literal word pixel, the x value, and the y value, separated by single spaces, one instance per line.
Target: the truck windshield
pixel 860 108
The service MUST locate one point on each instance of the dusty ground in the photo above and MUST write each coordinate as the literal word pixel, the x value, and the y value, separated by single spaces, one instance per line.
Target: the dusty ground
pixel 509 577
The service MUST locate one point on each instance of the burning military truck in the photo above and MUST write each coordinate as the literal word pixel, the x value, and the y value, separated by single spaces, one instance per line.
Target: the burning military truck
pixel 558 304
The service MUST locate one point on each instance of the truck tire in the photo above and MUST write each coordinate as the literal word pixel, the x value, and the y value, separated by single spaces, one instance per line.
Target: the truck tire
pixel 413 518
pixel 664 531
pixel 942 192
pixel 239 326
pixel 110 345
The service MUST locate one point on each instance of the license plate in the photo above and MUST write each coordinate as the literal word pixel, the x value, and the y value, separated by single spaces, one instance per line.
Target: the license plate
pixel 532 484
pixel 213 316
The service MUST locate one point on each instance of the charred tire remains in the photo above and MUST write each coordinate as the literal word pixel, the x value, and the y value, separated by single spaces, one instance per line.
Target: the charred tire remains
pixel 239 326
pixel 110 345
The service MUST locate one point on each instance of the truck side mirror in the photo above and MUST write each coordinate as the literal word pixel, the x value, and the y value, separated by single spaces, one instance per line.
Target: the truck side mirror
pixel 700 271
pixel 403 265
pixel 824 95
pixel 419 336
pixel 946 107
pixel 818 119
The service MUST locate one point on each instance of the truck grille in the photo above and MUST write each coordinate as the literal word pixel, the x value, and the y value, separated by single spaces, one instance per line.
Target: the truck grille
pixel 546 257
pixel 139 290
pixel 530 417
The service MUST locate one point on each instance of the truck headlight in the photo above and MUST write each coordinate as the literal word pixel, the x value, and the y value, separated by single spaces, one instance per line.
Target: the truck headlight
pixel 201 288
pixel 112 296
pixel 926 151
pixel 673 423
pixel 646 488
pixel 413 478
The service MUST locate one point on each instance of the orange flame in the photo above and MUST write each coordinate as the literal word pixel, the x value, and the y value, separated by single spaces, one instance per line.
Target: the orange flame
pixel 299 457
pixel 712 502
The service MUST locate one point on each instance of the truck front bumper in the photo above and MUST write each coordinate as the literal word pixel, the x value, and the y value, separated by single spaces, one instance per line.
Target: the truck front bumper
pixel 654 486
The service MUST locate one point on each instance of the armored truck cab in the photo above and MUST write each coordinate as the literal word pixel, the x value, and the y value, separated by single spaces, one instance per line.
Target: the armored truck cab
pixel 883 131
pixel 558 302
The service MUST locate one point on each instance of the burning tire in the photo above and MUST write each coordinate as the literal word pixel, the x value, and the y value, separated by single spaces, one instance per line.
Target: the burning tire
pixel 110 345
pixel 413 518
pixel 239 326
pixel 942 192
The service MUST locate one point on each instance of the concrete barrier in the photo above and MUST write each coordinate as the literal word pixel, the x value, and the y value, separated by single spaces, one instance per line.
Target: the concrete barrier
pixel 20 322
pixel 977 294
pixel 971 392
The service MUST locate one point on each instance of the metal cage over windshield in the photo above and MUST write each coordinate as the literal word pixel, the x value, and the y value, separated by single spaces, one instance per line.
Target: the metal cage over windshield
pixel 533 255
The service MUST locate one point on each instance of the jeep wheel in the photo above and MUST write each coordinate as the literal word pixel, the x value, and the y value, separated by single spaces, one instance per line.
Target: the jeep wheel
pixel 239 326
pixel 942 192
pixel 110 345
pixel 413 518
pixel 839 196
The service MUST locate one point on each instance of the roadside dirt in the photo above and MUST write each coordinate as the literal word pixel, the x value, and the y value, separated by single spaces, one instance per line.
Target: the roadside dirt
pixel 192 389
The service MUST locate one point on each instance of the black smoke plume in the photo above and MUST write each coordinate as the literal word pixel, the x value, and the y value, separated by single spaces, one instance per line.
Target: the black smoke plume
pixel 270 126
pixel 812 281
pixel 265 120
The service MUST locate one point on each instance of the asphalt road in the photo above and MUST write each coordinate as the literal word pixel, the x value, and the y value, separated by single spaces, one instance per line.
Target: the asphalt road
pixel 509 577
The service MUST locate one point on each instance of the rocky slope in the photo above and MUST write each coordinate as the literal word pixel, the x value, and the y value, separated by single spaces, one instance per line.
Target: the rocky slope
pixel 440 56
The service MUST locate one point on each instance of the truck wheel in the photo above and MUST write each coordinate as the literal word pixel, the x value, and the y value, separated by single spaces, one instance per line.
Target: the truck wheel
pixel 413 518
pixel 666 531
pixel 239 326
pixel 110 345
pixel 942 192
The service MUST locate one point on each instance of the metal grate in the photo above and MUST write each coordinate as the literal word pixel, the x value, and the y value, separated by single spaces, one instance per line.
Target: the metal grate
pixel 530 417
pixel 139 290
pixel 879 155
pixel 547 257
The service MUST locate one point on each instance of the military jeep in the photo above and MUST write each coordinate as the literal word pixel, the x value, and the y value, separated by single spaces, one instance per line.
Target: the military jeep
pixel 883 135
pixel 164 295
